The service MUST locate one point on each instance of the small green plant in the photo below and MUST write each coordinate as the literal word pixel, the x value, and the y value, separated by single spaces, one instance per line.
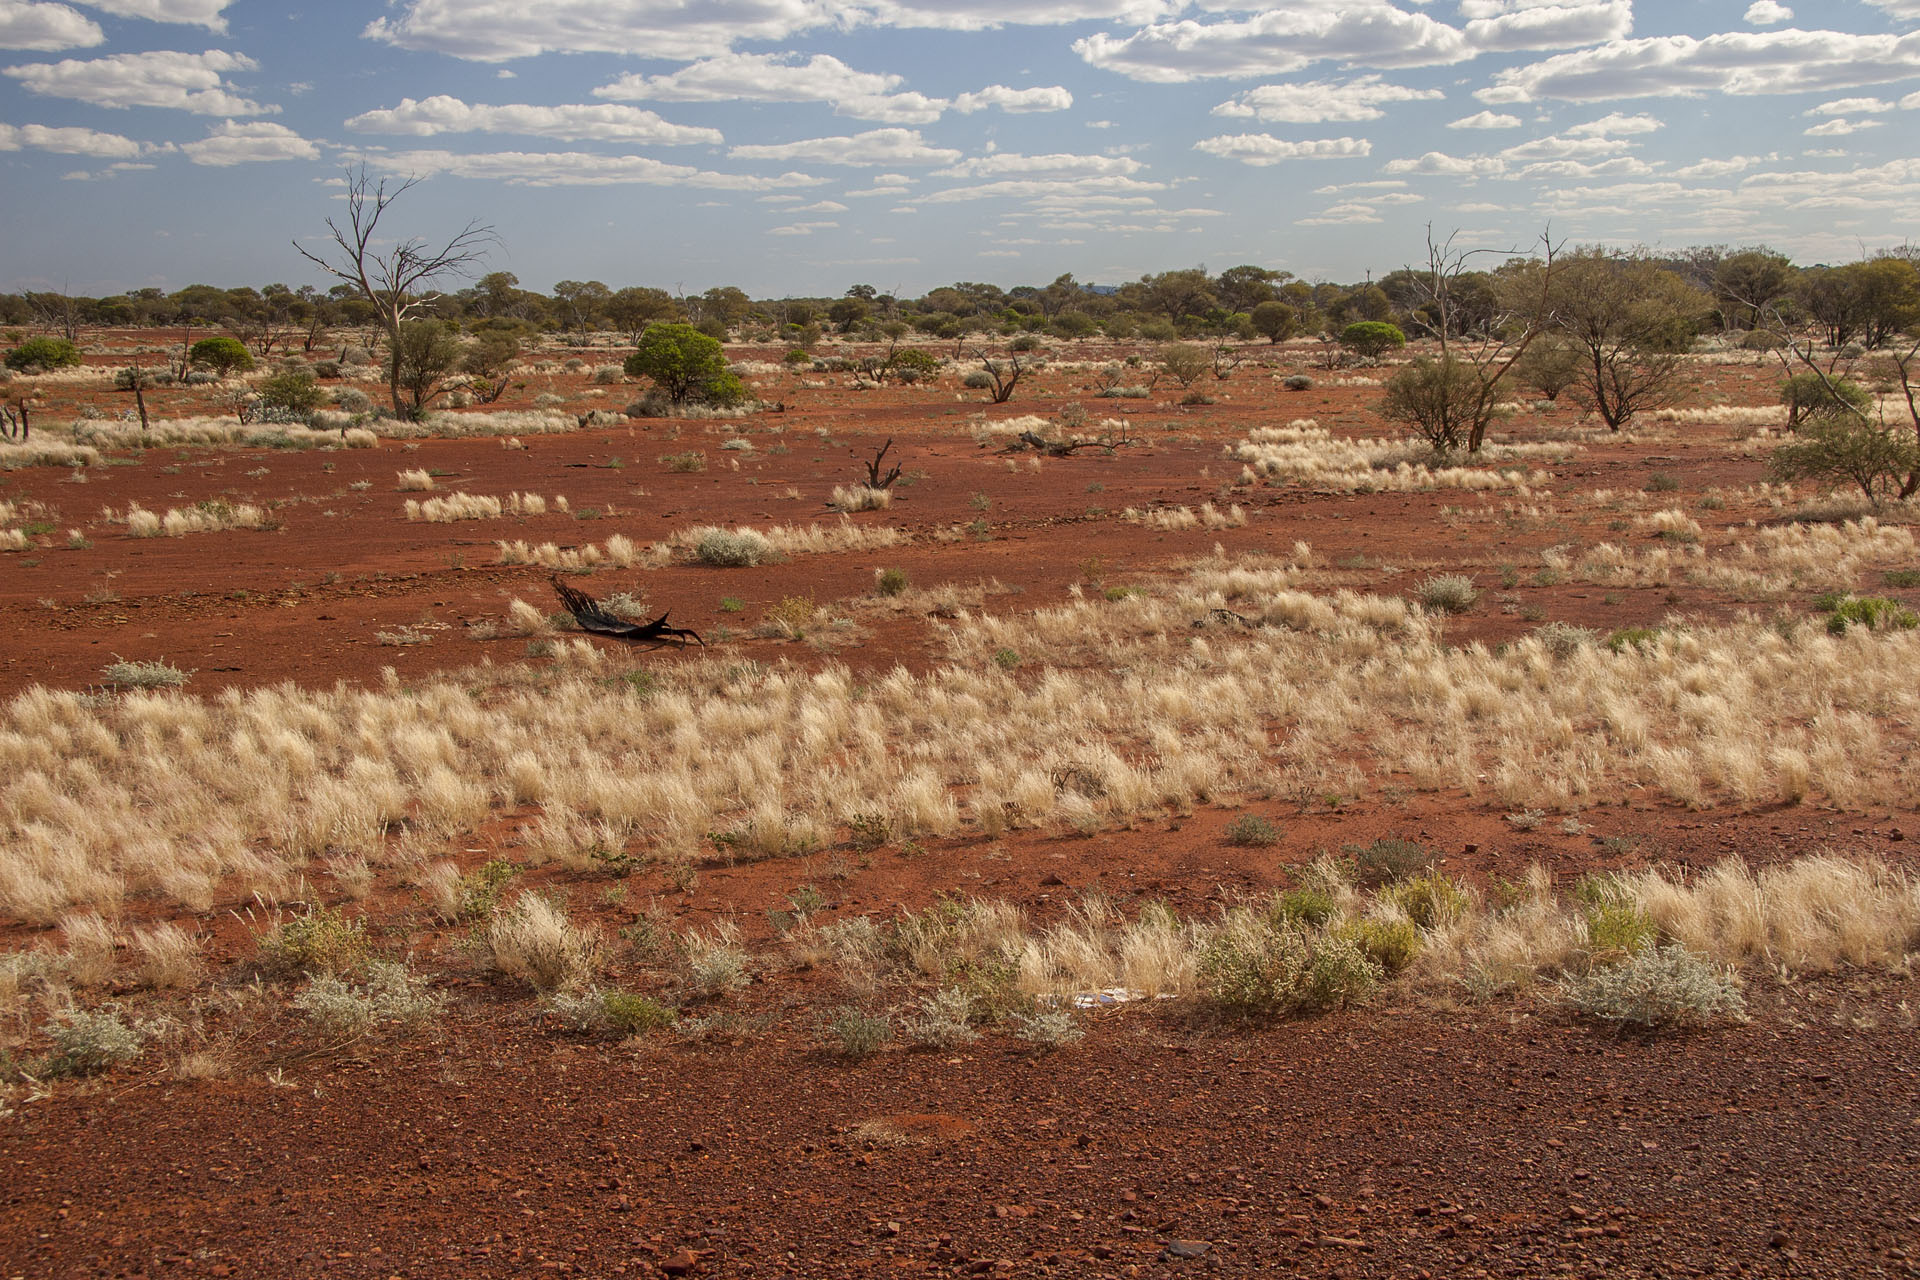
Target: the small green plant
pixel 1902 578
pixel 1662 482
pixel 731 604
pixel 944 1020
pixel 1048 1029
pixel 1619 928
pixel 1657 987
pixel 392 996
pixel 734 549
pixel 1430 900
pixel 1639 639
pixel 889 582
pixel 622 1013
pixel 89 1041
pixel 1391 944
pixel 1250 829
pixel 980 502
pixel 1308 905
pixel 477 893
pixel 857 1034
pixel 1446 593
pixel 692 460
pixel 40 355
pixel 1875 613
pixel 319 941
pixel 869 830
pixel 1006 659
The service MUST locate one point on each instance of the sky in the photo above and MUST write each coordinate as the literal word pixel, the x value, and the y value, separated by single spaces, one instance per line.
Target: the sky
pixel 797 147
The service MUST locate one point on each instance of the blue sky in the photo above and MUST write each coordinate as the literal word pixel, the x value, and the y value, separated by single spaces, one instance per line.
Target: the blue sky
pixel 800 146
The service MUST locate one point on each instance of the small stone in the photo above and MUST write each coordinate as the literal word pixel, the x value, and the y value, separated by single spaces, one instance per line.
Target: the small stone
pixel 680 1263
pixel 1778 1240
pixel 1185 1249
pixel 1323 1201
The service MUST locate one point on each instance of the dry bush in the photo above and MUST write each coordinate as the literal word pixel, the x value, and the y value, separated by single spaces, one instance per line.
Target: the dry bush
pixel 415 480
pixel 1309 455
pixel 533 940
pixel 169 956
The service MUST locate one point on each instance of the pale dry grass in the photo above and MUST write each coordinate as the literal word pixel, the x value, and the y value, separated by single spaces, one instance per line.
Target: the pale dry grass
pixel 473 506
pixel 506 422
pixel 1307 454
pixel 47 453
pixel 1177 519
pixel 163 433
pixel 860 497
pixel 209 517
pixel 618 553
pixel 414 480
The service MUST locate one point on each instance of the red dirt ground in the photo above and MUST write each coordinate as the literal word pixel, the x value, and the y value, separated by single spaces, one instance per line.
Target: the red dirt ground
pixel 1485 1140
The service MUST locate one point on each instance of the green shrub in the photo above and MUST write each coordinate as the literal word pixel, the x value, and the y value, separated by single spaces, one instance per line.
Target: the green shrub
pixel 1388 860
pixel 796 356
pixel 683 463
pixel 629 1014
pixel 122 674
pixel 1341 973
pixel 1872 612
pixel 1617 928
pixel 1835 450
pixel 1430 900
pixel 39 355
pixel 686 365
pixel 1252 830
pixel 1391 944
pixel 1658 987
pixel 858 1034
pixel 1297 382
pixel 1048 1029
pixel 393 996
pixel 945 1020
pixel 477 893
pixel 289 393
pixel 319 941
pixel 1639 639
pixel 86 1042
pixel 1811 399
pixel 1307 905
pixel 889 582
pixel 225 356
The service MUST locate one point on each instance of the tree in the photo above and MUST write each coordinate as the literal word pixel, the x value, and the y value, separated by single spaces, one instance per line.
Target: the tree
pixel 1814 401
pixel 424 353
pixel 685 364
pixel 490 361
pixel 1244 288
pixel 1630 320
pixel 391 281
pixel 847 312
pixel 581 302
pixel 1275 321
pixel 633 309
pixel 225 356
pixel 1879 459
pixel 1371 339
pixel 1746 283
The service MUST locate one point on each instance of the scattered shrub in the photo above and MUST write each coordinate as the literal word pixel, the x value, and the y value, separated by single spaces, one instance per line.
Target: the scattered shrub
pixel 1872 612
pixel 889 582
pixel 319 941
pixel 944 1020
pixel 1297 382
pixel 739 548
pixel 289 394
pixel 225 356
pixel 1391 944
pixel 1618 928
pixel 1657 987
pixel 1252 830
pixel 856 1033
pixel 1812 400
pixel 42 355
pixel 622 1013
pixel 533 940
pixel 690 461
pixel 1186 362
pixel 1388 860
pixel 1048 1029
pixel 1371 339
pixel 122 674
pixel 393 996
pixel 89 1041
pixel 1430 899
pixel 1308 905
pixel 1446 593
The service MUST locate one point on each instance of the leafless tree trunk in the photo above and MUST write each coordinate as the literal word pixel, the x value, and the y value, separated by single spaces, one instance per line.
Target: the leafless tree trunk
pixel 389 281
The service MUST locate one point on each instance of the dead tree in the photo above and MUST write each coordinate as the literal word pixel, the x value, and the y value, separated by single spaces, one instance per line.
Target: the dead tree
pixel 875 480
pixel 390 281
pixel 597 621
pixel 1006 374
pixel 15 422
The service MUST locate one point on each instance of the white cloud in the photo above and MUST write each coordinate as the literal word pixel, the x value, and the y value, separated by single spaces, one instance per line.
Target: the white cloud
pixel 1841 128
pixel 69 141
pixel 1321 101
pixel 1766 13
pixel 1486 120
pixel 876 146
pixel 199 13
pixel 1737 62
pixel 1718 168
pixel 1552 26
pixel 1278 41
pixel 46 28
pixel 182 81
pixel 1440 164
pixel 575 169
pixel 879 189
pixel 1850 107
pixel 1264 149
pixel 1014 101
pixel 778 77
pixel 822 206
pixel 1081 190
pixel 501 30
pixel 1615 125
pixel 1006 162
pixel 1898 8
pixel 230 144
pixel 800 228
pixel 444 114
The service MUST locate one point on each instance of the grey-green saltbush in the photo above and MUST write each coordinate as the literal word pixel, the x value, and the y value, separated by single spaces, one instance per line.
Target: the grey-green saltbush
pixel 731 549
pixel 1657 987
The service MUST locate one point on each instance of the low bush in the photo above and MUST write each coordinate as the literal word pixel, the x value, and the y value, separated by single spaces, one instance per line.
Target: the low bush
pixel 1252 830
pixel 225 356
pixel 738 548
pixel 1297 382
pixel 944 1020
pixel 122 674
pixel 319 941
pixel 1430 899
pixel 1657 987
pixel 889 582
pixel 89 1041
pixel 42 355
pixel 1048 1029
pixel 393 996
pixel 1446 593
pixel 856 1033
pixel 1875 613
pixel 1391 944
pixel 1388 860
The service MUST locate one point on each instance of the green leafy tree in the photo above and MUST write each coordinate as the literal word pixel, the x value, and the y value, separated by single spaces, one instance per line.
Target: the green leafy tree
pixel 1878 459
pixel 225 356
pixel 290 394
pixel 1447 401
pixel 1275 320
pixel 685 365
pixel 1630 320
pixel 1813 400
pixel 1371 339
pixel 633 309
pixel 490 361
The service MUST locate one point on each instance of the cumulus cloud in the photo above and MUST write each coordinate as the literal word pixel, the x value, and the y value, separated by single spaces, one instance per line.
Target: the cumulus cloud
pixel 1080 191
pixel 1551 26
pixel 1369 33
pixel 876 146
pixel 1766 13
pixel 182 81
pixel 1002 163
pixel 575 169
pixel 501 30
pixel 1486 120
pixel 1440 164
pixel 1321 101
pixel 1850 107
pixel 69 141
pixel 198 13
pixel 1264 149
pixel 1616 125
pixel 800 228
pixel 1014 101
pixel 1841 128
pixel 228 143
pixel 781 77
pixel 1737 62
pixel 444 114
pixel 1718 168
pixel 46 28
